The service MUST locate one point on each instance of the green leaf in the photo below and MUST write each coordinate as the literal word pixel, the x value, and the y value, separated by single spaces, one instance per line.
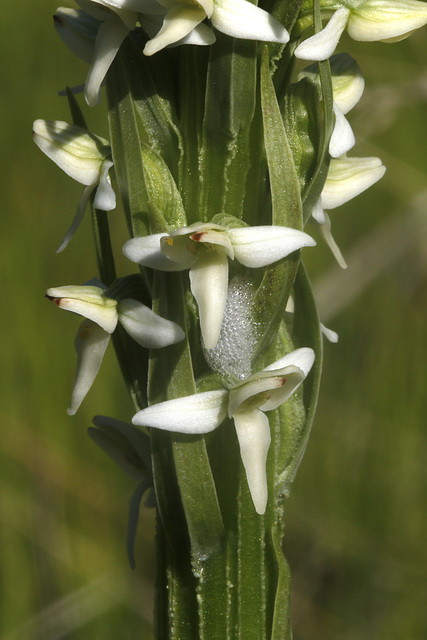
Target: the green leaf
pixel 229 110
pixel 306 333
pixel 273 292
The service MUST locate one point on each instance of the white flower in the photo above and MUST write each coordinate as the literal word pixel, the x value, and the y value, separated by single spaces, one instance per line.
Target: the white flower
pixel 246 403
pixel 236 18
pixel 204 249
pixel 96 42
pixel 85 158
pixel 102 316
pixel 347 177
pixel 365 20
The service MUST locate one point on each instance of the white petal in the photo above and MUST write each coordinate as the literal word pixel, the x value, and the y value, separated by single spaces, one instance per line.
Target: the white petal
pixel 302 358
pixel 342 138
pixel 200 35
pixel 347 177
pixel 110 36
pixel 146 251
pixel 322 45
pixel 265 390
pixel 325 230
pixel 241 19
pixel 76 151
pixel 259 246
pixel 77 31
pixel 84 199
pixel 317 213
pixel 179 21
pixel 91 343
pixel 386 19
pixel 87 301
pixel 199 413
pixel 105 198
pixel 209 286
pixel 146 327
pixel 329 334
pixel 253 433
pixel 347 81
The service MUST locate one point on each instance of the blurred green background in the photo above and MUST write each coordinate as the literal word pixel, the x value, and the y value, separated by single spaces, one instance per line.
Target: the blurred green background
pixel 356 515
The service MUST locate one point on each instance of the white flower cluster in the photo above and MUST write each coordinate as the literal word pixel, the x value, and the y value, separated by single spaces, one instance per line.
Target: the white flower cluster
pixel 96 32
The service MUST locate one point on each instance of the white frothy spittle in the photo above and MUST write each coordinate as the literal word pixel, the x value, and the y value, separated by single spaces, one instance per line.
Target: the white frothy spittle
pixel 233 352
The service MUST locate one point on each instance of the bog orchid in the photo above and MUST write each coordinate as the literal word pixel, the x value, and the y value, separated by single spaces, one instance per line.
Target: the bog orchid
pixel 347 177
pixel 83 156
pixel 236 18
pixel 171 22
pixel 102 314
pixel 204 249
pixel 246 403
pixel 368 21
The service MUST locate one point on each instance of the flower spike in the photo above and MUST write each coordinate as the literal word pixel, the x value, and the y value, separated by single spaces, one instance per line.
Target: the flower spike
pixel 204 249
pixel 246 403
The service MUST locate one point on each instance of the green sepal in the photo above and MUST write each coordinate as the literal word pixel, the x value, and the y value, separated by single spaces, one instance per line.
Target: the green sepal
pixel 301 116
pixel 75 110
pixel 126 445
pixel 165 204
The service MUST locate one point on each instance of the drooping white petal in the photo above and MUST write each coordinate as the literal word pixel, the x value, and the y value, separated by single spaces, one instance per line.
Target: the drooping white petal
pixel 90 343
pixel 342 138
pixel 347 177
pixel 242 19
pixel 111 34
pixel 146 327
pixel 260 246
pixel 196 414
pixel 325 231
pixel 386 19
pixel 329 334
pixel 209 286
pixel 146 251
pixel 253 433
pixel 317 213
pixel 179 21
pixel 84 199
pixel 105 198
pixel 322 45
pixel 302 358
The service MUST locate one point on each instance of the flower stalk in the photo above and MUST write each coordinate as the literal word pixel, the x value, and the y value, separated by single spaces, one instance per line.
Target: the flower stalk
pixel 220 156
